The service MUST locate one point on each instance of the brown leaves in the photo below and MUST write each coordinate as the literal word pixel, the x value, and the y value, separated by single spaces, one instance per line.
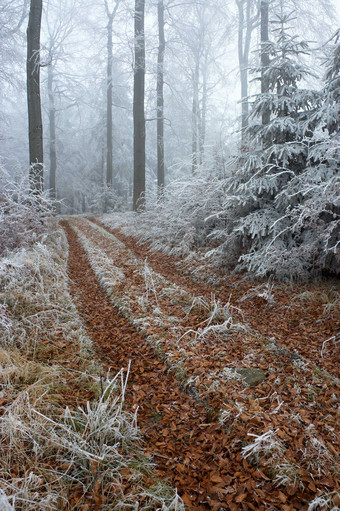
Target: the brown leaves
pixel 188 445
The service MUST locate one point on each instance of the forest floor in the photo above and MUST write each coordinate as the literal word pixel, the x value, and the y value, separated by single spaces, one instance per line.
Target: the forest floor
pixel 236 382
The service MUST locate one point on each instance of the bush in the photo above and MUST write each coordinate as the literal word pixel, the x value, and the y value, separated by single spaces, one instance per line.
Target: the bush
pixel 23 216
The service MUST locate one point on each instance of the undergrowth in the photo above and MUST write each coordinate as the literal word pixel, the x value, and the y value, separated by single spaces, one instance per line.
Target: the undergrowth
pixel 67 441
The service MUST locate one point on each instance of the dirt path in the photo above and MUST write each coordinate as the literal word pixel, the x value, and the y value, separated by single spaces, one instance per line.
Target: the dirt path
pixel 201 458
pixel 301 317
pixel 174 426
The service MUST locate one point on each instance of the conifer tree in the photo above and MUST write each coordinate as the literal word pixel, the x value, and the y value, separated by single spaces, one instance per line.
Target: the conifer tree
pixel 256 200
pixel 315 220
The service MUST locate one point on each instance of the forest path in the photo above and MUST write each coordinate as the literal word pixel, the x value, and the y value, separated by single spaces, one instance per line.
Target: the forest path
pixel 298 316
pixel 201 458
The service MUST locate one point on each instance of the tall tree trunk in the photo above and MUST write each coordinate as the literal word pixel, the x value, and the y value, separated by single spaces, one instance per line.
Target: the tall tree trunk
pixel 160 96
pixel 243 72
pixel 35 129
pixel 110 13
pixel 138 108
pixel 264 55
pixel 246 23
pixel 203 112
pixel 109 143
pixel 195 116
pixel 52 127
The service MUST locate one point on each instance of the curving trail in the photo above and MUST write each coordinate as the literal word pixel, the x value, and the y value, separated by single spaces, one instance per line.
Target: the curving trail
pixel 295 320
pixel 189 446
pixel 173 424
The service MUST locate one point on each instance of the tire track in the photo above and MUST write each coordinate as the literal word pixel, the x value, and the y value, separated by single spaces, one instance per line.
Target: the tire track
pixel 190 452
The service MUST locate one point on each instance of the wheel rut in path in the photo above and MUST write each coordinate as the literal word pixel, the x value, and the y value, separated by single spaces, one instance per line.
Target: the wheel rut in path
pixel 296 323
pixel 202 460
pixel 193 454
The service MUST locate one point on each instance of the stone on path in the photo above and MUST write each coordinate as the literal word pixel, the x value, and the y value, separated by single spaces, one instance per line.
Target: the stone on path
pixel 251 376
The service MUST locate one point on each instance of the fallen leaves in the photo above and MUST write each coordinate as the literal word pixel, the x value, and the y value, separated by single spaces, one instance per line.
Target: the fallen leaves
pixel 198 455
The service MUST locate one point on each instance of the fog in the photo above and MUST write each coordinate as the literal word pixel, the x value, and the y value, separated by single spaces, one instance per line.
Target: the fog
pixel 201 58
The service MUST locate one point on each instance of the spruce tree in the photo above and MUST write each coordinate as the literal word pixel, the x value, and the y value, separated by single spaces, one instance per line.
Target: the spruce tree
pixel 315 220
pixel 257 200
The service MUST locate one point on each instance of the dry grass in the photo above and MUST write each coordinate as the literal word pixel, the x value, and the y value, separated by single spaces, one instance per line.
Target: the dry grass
pixel 54 457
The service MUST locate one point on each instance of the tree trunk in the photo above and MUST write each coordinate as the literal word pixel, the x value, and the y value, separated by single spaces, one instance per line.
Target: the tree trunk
pixel 52 127
pixel 35 129
pixel 195 116
pixel 243 72
pixel 109 143
pixel 246 23
pixel 203 112
pixel 138 108
pixel 264 55
pixel 160 97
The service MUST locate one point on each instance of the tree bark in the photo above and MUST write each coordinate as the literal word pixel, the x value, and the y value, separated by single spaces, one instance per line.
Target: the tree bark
pixel 138 108
pixel 109 127
pixel 160 97
pixel 246 23
pixel 264 55
pixel 195 115
pixel 202 118
pixel 243 70
pixel 52 127
pixel 35 128
pixel 110 13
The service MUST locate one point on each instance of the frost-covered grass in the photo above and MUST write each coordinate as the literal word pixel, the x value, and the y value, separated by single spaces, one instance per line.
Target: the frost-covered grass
pixel 54 457
pixel 179 221
pixel 34 296
pixel 267 444
pixel 148 302
pixel 326 502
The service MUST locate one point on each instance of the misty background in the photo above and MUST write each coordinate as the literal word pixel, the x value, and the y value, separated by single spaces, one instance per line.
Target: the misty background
pixel 74 82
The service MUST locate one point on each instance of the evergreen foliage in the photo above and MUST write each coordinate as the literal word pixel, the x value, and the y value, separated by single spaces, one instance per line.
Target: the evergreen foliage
pixel 276 210
pixel 281 205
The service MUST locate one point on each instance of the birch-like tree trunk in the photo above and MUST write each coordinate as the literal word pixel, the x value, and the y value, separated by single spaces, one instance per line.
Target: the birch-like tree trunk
pixel 52 128
pixel 247 20
pixel 202 119
pixel 195 114
pixel 138 108
pixel 35 128
pixel 160 96
pixel 110 13
pixel 109 126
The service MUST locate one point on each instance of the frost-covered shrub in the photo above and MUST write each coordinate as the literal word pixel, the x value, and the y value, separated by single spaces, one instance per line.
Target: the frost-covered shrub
pixel 23 216
pixel 178 220
pixel 106 200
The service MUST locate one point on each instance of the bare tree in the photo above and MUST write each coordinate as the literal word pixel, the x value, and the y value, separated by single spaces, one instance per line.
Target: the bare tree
pixel 160 95
pixel 195 110
pixel 59 27
pixel 35 128
pixel 52 127
pixel 138 107
pixel 200 30
pixel 110 13
pixel 247 20
pixel 12 17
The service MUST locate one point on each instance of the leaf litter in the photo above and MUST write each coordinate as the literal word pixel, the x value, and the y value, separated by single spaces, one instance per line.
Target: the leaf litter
pixel 204 442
